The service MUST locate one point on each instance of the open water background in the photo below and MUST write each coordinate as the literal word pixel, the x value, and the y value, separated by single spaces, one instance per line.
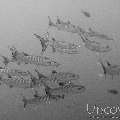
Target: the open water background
pixel 20 19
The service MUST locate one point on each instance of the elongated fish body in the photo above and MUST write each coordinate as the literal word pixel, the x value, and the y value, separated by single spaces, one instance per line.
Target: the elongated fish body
pixel 18 82
pixel 65 47
pixel 99 49
pixel 14 72
pixel 62 78
pixel 95 46
pixel 113 91
pixel 35 101
pixel 45 99
pixel 36 60
pixel 67 51
pixel 69 89
pixel 92 33
pixel 86 14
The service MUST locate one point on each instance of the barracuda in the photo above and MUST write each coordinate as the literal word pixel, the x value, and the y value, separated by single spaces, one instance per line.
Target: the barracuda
pixel 61 78
pixel 93 33
pixel 22 81
pixel 94 46
pixel 31 59
pixel 13 72
pixel 17 81
pixel 65 47
pixel 69 89
pixel 45 99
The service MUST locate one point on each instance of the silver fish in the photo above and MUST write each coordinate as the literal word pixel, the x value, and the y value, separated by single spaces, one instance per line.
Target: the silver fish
pixel 69 89
pixel 18 82
pixel 113 91
pixel 92 33
pixel 22 81
pixel 64 76
pixel 59 77
pixel 99 49
pixel 94 46
pixel 86 14
pixel 13 72
pixel 31 59
pixel 65 47
pixel 37 100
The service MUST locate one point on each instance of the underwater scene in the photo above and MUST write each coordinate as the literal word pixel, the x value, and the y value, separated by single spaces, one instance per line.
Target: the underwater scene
pixel 60 60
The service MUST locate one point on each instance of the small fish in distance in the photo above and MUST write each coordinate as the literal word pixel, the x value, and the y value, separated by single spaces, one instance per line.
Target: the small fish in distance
pixel 70 89
pixel 113 91
pixel 86 14
pixel 109 70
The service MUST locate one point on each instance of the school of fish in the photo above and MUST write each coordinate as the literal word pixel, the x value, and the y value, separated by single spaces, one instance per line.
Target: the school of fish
pixel 66 81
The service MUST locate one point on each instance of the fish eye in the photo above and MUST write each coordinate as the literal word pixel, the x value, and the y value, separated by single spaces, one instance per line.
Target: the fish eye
pixel 61 84
pixel 54 71
pixel 73 75
pixel 79 88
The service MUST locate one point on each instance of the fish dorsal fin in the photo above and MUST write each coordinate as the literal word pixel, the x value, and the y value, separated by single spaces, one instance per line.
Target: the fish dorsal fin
pixel 50 23
pixel 58 20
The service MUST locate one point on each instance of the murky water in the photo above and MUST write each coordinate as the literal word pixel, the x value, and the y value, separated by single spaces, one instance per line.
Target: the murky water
pixel 20 19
